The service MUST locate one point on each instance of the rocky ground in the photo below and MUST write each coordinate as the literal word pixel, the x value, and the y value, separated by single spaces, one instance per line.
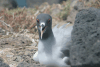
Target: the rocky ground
pixel 18 46
pixel 18 49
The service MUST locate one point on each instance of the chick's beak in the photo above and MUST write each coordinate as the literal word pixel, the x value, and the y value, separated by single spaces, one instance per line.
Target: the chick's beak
pixel 42 30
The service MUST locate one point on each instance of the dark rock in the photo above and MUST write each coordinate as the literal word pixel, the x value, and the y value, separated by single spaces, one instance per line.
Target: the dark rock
pixel 13 4
pixel 2 32
pixel 85 49
pixel 1 60
pixel 2 64
pixel 10 4
pixel 18 58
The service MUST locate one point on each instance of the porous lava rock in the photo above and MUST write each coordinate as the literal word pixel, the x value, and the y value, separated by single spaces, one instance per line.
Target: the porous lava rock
pixel 85 47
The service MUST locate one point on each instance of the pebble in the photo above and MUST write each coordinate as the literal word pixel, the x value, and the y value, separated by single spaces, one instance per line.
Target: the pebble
pixel 1 52
pixel 27 52
pixel 18 58
pixel 34 44
pixel 9 55
pixel 33 40
pixel 37 36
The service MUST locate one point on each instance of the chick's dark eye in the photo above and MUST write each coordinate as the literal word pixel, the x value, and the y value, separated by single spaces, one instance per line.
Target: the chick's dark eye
pixel 37 20
pixel 49 21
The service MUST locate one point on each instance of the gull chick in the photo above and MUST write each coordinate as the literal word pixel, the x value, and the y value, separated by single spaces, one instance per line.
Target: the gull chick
pixel 53 46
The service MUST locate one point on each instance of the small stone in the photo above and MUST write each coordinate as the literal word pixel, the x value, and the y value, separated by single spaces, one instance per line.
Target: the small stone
pixel 37 36
pixel 34 44
pixel 18 58
pixel 1 60
pixel 1 52
pixel 27 52
pixel 9 55
pixel 33 40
